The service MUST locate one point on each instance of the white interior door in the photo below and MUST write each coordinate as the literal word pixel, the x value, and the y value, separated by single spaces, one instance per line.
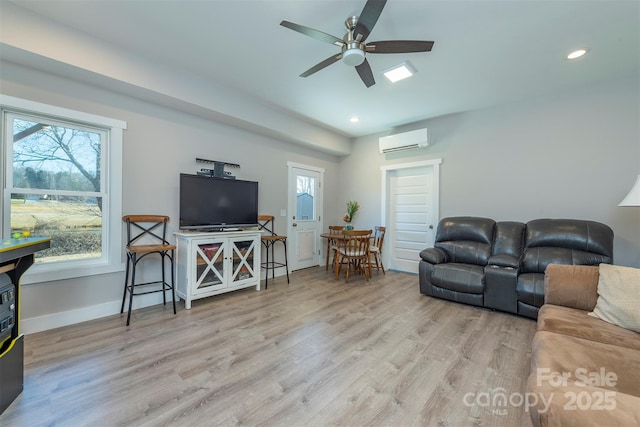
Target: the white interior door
pixel 304 219
pixel 411 211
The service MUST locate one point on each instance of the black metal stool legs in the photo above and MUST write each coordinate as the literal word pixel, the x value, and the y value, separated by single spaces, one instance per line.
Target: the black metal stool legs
pixel 129 286
pixel 173 283
pixel 269 246
pixel 286 259
pixel 126 283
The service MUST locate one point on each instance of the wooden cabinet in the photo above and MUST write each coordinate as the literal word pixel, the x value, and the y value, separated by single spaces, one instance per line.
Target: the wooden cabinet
pixel 213 263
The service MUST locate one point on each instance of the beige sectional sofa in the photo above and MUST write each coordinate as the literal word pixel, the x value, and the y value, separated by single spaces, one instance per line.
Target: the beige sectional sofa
pixel 584 371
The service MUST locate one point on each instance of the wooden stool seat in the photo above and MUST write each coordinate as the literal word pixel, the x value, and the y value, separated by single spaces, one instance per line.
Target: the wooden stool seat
pixel 151 248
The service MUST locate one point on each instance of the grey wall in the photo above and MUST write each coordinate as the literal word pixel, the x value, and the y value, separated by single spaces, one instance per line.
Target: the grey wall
pixel 574 155
pixel 159 143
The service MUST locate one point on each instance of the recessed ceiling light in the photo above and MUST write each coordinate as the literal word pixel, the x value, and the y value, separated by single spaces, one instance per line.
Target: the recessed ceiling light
pixel 577 53
pixel 354 119
pixel 400 72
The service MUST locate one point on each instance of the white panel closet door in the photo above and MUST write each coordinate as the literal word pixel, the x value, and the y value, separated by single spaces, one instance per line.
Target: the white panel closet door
pixel 411 209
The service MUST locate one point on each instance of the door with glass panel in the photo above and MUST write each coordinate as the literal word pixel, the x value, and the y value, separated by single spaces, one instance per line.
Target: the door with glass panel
pixel 304 216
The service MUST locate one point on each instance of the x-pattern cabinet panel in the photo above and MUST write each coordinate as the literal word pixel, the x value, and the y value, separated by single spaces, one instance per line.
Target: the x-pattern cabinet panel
pixel 214 263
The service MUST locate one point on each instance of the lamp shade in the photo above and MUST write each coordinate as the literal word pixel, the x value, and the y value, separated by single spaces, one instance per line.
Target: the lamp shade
pixel 633 198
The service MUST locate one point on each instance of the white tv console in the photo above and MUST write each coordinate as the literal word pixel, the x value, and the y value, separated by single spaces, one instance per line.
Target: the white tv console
pixel 212 263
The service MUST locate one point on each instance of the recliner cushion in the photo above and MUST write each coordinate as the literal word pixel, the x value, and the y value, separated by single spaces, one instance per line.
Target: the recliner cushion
pixel 466 239
pixel 463 278
pixel 583 236
pixel 537 259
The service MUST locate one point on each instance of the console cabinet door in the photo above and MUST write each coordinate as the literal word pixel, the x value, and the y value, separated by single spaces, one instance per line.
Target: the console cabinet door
pixel 243 260
pixel 210 266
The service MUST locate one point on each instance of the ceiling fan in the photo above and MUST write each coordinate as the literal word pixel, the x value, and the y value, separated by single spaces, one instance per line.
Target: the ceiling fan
pixel 354 48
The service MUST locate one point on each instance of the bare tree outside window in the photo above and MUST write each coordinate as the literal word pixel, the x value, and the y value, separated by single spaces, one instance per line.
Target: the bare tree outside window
pixel 57 186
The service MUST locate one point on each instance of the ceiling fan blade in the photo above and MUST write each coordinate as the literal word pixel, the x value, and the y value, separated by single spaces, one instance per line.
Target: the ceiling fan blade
pixel 399 46
pixel 330 60
pixel 368 18
pixel 365 73
pixel 316 34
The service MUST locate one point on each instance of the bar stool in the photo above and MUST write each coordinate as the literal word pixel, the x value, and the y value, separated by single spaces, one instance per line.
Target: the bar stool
pixel 269 239
pixel 149 231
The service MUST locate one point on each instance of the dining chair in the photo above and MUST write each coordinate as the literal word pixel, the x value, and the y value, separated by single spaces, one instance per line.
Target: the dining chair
pixel 147 235
pixel 353 251
pixel 332 245
pixel 375 249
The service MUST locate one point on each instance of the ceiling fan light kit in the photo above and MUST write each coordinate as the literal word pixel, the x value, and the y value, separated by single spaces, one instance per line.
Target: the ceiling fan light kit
pixel 353 46
pixel 353 57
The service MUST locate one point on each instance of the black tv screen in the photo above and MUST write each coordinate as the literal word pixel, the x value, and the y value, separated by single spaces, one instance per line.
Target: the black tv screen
pixel 208 203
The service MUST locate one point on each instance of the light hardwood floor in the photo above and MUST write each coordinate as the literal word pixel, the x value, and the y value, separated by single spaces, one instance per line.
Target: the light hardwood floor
pixel 312 352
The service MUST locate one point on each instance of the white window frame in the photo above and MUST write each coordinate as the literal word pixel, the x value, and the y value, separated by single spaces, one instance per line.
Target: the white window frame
pixel 111 260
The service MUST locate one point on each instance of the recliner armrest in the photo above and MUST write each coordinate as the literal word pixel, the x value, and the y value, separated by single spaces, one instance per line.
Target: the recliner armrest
pixel 434 255
pixel 504 260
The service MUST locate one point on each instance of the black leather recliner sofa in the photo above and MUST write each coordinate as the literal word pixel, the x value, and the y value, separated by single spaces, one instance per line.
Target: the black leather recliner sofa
pixel 501 265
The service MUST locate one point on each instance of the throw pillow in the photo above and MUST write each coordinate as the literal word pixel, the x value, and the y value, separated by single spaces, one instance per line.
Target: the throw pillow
pixel 618 296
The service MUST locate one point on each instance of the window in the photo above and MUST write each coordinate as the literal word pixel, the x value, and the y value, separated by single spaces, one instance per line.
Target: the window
pixel 305 193
pixel 62 179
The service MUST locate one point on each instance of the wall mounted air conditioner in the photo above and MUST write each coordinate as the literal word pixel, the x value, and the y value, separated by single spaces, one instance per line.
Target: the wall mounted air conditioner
pixel 404 141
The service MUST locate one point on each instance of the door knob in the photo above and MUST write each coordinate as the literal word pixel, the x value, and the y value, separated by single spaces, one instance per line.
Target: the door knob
pixel 294 225
pixel 431 227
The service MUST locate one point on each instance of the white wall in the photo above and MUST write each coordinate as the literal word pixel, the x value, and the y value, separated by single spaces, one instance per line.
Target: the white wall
pixel 575 155
pixel 159 143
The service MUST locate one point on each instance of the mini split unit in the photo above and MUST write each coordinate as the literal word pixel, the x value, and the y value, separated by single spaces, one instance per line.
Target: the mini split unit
pixel 404 141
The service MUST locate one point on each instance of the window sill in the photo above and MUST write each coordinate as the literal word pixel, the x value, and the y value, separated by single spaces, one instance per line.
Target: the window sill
pixel 45 273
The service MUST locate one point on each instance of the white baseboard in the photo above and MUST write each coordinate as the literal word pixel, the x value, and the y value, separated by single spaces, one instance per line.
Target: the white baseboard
pixel 65 318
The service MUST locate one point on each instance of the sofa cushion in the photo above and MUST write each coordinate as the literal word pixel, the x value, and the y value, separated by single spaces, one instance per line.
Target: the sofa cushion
pixel 576 323
pixel 619 296
pixel 564 354
pixel 574 405
pixel 459 277
pixel 573 286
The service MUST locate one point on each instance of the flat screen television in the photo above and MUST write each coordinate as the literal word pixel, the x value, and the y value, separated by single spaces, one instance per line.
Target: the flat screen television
pixel 208 203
